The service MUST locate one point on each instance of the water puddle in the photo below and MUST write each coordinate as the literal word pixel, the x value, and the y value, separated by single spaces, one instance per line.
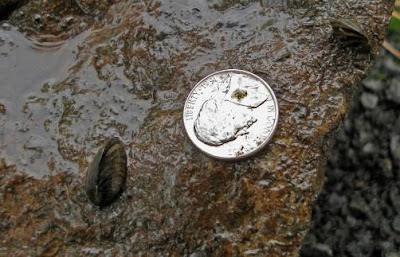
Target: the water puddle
pixel 52 109
pixel 62 96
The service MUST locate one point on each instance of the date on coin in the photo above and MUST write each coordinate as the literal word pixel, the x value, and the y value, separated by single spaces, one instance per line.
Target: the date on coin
pixel 231 114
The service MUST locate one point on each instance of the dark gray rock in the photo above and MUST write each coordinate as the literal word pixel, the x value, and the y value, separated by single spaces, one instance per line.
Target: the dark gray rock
pixel 368 148
pixel 396 223
pixel 394 195
pixel 336 202
pixel 374 85
pixel 351 221
pixel 391 65
pixel 387 167
pixel 387 246
pixel 396 126
pixel 368 223
pixel 393 254
pixel 354 250
pixel 393 92
pixel 369 101
pixel 395 147
pixel 317 250
pixel 359 205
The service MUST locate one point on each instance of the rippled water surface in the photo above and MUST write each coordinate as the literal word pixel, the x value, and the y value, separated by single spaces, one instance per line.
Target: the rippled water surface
pixel 51 116
pixel 62 96
pixel 30 124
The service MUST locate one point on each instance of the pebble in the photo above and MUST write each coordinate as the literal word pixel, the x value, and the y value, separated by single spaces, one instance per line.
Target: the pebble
pixel 396 223
pixel 323 249
pixel 369 101
pixel 369 148
pixel 397 124
pixel 387 246
pixel 395 147
pixel 374 85
pixel 394 195
pixel 359 205
pixel 317 250
pixel 393 255
pixel 353 249
pixel 336 202
pixel 351 221
pixel 365 137
pixel 384 119
pixel 393 93
pixel 391 65
pixel 387 168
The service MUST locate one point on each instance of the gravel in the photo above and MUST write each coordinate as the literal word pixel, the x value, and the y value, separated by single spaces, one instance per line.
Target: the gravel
pixel 369 101
pixel 396 223
pixel 374 85
pixel 358 212
pixel 393 93
pixel 395 147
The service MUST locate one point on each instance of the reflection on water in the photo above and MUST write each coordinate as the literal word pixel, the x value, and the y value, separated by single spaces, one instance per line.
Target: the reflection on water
pixel 63 96
pixel 25 69
pixel 53 110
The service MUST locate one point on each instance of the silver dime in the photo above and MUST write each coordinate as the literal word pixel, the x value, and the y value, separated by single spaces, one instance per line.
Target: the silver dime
pixel 231 114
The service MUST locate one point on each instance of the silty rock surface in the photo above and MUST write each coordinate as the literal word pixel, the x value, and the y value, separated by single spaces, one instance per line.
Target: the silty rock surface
pixel 79 76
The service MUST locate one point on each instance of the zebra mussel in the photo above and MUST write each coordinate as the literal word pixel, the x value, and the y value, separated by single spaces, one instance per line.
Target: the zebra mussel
pixel 350 32
pixel 106 175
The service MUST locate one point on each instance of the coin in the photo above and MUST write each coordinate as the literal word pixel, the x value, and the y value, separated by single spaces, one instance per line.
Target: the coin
pixel 231 114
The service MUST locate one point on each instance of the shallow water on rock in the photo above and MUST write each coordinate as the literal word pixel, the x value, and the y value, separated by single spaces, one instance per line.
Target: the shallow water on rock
pixel 52 117
pixel 27 70
pixel 62 96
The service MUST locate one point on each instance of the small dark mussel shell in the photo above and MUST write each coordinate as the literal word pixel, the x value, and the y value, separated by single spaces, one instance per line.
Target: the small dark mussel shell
pixel 349 32
pixel 106 175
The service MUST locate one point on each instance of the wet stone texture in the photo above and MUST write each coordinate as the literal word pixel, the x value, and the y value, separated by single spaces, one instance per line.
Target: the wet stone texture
pixel 75 73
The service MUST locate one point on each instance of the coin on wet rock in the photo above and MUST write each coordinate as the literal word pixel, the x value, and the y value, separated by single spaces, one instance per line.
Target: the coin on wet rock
pixel 231 114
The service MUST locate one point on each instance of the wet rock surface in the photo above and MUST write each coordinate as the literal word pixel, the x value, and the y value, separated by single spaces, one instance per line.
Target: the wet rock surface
pixel 79 77
pixel 357 213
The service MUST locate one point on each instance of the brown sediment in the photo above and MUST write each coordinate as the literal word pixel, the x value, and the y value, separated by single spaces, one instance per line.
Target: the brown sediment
pixel 127 73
